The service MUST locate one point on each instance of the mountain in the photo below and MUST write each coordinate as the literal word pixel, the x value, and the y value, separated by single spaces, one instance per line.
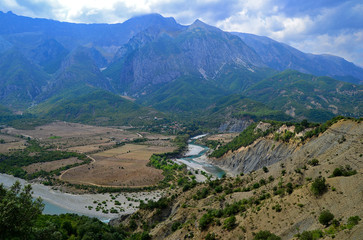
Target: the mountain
pixel 78 68
pixel 27 33
pixel 280 56
pixel 186 94
pixel 185 71
pixel 307 96
pixel 160 56
pixel 94 106
pixel 20 80
pixel 49 54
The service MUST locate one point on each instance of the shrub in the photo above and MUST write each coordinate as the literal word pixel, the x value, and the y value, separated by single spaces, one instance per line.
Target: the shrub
pixel 277 208
pixel 230 223
pixel 201 194
pixel 341 171
pixel 211 236
pixel 311 235
pixel 265 169
pixel 352 221
pixel 218 189
pixel 175 226
pixel 289 188
pixel 318 187
pixel 266 235
pixel 326 217
pixel 313 162
pixel 205 220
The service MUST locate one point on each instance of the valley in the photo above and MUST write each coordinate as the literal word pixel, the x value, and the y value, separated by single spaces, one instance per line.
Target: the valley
pixel 151 129
pixel 118 156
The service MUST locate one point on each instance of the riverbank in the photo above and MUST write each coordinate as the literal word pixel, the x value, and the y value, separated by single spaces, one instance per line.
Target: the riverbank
pixel 85 204
pixel 197 161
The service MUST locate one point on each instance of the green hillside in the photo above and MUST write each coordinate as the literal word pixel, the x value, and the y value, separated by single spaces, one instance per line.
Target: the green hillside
pixel 94 106
pixel 307 96
pixel 186 94
pixel 237 79
pixel 20 80
pixel 238 106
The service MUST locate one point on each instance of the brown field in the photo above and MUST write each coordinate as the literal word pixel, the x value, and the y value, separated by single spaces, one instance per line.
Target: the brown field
pixel 90 148
pixel 68 135
pixel 49 166
pixel 225 137
pixel 123 166
pixel 11 143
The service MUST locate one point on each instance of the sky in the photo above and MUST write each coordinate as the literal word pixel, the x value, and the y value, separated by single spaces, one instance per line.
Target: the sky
pixel 313 26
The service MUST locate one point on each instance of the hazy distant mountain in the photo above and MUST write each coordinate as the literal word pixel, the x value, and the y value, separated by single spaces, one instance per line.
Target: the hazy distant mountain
pixel 280 56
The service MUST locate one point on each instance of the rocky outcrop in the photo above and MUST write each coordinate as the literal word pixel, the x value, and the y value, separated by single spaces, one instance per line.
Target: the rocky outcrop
pixel 266 151
pixel 262 152
pixel 234 125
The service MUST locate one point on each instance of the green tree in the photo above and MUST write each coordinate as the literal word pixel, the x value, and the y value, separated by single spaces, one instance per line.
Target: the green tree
pixel 18 211
pixel 318 187
pixel 326 217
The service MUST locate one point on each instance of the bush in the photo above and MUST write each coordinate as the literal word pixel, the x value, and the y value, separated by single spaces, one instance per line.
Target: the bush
pixel 266 235
pixel 205 220
pixel 313 162
pixel 211 236
pixel 175 226
pixel 265 169
pixel 341 171
pixel 352 221
pixel 230 223
pixel 326 217
pixel 311 235
pixel 318 187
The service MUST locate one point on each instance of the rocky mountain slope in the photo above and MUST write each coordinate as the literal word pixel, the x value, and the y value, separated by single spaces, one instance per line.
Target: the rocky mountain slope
pixel 181 70
pixel 282 198
pixel 281 56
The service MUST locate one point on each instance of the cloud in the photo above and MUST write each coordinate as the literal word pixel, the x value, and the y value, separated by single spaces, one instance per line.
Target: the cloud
pixel 318 26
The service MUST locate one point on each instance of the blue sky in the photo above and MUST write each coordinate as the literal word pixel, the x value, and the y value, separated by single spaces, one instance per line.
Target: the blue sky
pixel 315 26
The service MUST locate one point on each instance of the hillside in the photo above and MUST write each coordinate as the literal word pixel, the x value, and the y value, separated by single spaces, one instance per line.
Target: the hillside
pixel 161 56
pixel 188 72
pixel 281 56
pixel 307 96
pixel 20 80
pixel 286 199
pixel 94 106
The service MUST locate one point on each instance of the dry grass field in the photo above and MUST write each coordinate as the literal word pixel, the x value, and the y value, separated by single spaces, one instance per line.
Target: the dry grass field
pixel 66 135
pixel 11 143
pixel 49 166
pixel 223 137
pixel 123 166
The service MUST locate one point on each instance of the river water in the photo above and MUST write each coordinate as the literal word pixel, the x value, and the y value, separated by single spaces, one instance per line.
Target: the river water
pixel 196 159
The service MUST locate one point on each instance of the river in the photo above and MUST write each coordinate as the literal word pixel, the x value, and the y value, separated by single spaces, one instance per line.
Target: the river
pixel 57 202
pixel 195 158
